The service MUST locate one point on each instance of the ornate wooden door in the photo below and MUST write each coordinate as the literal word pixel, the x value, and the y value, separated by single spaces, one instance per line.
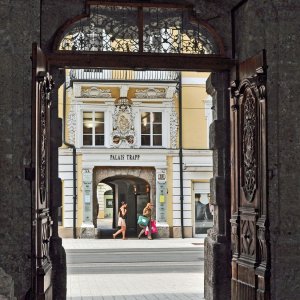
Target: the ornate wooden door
pixel 41 222
pixel 249 203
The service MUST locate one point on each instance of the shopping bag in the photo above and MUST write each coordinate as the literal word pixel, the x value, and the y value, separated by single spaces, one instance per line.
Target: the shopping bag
pixel 143 221
pixel 153 227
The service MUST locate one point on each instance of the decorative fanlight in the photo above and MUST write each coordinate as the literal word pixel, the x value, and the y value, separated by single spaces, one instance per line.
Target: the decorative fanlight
pixel 139 28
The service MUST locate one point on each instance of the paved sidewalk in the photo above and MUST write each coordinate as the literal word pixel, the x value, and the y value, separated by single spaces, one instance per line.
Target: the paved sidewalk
pixel 132 243
pixel 119 269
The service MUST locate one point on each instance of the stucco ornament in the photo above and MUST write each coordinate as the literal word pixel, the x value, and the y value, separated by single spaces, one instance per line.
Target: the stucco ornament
pixel 71 122
pixel 123 134
pixel 173 126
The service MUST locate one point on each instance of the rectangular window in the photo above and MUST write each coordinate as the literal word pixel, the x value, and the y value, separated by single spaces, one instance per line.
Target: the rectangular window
pixel 93 128
pixel 151 129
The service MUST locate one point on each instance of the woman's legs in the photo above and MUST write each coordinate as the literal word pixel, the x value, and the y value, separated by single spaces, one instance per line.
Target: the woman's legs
pixel 122 230
pixel 142 231
pixel 149 231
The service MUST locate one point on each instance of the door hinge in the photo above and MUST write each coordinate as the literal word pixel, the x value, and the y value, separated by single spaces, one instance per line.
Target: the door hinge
pixel 29 173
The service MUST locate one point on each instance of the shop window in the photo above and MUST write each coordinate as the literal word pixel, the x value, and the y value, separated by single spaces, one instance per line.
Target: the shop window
pixel 93 128
pixel 203 213
pixel 151 129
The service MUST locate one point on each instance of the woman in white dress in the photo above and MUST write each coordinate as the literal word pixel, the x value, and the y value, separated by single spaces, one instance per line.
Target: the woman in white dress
pixel 122 220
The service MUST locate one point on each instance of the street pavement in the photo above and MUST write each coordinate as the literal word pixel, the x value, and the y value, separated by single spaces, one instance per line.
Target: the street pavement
pixel 160 269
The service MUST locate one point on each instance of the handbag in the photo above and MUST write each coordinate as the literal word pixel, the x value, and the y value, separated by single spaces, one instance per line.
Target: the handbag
pixel 143 221
pixel 153 227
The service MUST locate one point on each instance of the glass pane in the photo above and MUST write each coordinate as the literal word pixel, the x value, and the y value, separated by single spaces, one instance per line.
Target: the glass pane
pixel 88 128
pixel 157 117
pixel 87 116
pixel 157 140
pixel 145 118
pixel 145 140
pixel 99 116
pixel 203 214
pixel 99 140
pixel 87 140
pixel 157 128
pixel 145 129
pixel 99 128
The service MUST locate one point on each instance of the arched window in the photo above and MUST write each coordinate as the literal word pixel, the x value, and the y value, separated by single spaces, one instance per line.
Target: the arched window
pixel 139 27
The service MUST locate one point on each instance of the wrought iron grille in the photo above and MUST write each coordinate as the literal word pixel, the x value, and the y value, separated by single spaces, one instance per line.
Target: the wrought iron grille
pixel 121 28
pixel 106 29
pixel 170 31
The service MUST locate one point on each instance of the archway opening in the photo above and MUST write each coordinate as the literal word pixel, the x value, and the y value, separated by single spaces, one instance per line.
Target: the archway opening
pixel 111 191
pixel 153 60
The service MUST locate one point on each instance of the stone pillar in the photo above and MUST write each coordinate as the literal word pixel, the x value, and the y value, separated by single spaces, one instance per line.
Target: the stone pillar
pixel 161 203
pixel 217 270
pixel 57 252
pixel 87 227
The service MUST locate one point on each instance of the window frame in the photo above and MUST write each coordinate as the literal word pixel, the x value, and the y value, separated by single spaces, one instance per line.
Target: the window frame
pixel 93 111
pixel 151 111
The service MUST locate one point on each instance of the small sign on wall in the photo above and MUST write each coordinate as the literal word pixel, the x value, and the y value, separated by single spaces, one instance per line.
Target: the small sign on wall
pixel 161 202
pixel 109 203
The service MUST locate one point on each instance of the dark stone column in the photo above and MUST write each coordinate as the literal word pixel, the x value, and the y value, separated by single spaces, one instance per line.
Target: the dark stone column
pixel 57 252
pixel 217 270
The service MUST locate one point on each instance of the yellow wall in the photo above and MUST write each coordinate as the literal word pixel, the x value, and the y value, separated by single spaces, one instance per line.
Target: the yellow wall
pixel 194 126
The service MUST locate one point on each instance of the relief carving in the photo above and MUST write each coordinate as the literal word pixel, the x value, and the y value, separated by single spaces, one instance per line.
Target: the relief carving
pixel 234 235
pixel 71 123
pixel 150 93
pixel 263 240
pixel 46 85
pixel 249 144
pixel 173 126
pixel 247 237
pixel 123 124
pixel 95 92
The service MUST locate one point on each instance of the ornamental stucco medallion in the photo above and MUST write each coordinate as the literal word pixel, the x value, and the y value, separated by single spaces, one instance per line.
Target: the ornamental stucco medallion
pixel 123 134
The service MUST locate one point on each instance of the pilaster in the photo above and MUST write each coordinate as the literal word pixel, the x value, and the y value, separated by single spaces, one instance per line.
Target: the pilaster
pixel 217 272
pixel 87 226
pixel 161 203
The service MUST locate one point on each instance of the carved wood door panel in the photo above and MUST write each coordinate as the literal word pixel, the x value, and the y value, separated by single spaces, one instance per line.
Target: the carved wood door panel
pixel 41 222
pixel 249 209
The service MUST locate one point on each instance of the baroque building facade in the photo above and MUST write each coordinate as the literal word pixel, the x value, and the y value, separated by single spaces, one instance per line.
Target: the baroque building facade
pixel 127 130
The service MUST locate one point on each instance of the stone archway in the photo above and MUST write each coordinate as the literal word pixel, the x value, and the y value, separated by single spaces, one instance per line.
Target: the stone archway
pixel 101 173
pixel 218 243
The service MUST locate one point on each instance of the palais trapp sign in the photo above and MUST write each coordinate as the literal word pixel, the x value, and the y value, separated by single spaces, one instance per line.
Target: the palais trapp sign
pixel 124 157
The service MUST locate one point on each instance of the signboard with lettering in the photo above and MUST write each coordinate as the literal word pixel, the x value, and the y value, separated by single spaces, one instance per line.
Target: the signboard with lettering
pixel 161 202
pixel 87 194
pixel 161 176
pixel 124 157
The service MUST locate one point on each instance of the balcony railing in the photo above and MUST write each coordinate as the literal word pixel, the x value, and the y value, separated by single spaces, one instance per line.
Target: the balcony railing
pixel 122 75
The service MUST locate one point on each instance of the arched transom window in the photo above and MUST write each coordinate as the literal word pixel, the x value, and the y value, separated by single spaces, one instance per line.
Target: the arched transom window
pixel 139 28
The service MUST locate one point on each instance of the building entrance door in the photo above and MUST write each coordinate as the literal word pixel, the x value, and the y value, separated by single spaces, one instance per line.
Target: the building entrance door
pixel 249 207
pixel 39 174
pixel 134 191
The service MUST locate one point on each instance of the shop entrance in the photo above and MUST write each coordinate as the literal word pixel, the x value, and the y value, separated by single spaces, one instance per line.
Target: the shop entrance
pixel 111 192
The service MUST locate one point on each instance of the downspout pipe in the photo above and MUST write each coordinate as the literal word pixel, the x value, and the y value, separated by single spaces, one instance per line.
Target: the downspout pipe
pixel 74 161
pixel 233 41
pixel 180 153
